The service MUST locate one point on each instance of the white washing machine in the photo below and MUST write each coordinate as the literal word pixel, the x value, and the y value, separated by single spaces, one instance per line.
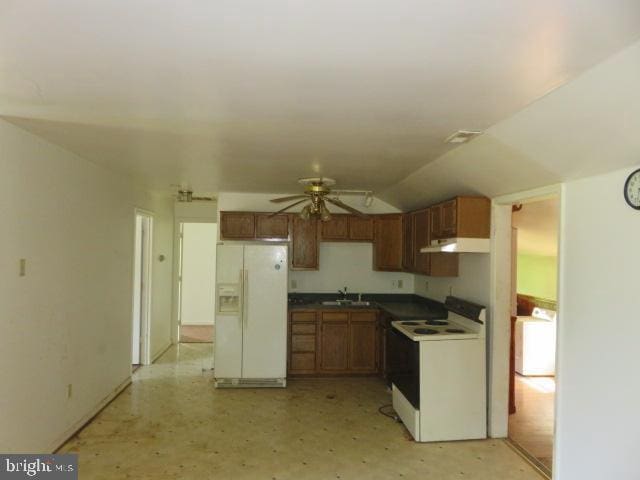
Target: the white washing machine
pixel 535 339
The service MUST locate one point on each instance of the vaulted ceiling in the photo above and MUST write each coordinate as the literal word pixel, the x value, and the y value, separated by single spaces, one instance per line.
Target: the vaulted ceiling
pixel 250 95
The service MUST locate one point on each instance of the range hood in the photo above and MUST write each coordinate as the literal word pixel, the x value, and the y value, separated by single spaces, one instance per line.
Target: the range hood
pixel 458 245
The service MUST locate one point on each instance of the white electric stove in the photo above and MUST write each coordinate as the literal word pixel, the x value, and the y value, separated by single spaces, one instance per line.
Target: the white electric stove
pixel 438 374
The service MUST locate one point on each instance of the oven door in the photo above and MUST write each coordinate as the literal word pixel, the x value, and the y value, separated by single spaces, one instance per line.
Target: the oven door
pixel 403 364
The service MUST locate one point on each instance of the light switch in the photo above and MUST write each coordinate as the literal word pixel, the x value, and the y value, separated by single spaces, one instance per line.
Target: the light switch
pixel 23 267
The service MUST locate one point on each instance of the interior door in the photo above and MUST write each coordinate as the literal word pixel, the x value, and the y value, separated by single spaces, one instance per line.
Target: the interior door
pixel 228 336
pixel 264 346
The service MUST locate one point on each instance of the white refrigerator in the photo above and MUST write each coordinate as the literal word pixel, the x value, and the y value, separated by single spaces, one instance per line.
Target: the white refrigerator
pixel 251 315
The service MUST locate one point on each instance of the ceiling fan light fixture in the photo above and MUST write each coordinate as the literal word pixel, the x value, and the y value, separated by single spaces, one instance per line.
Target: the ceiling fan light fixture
pixel 305 213
pixel 317 193
pixel 325 214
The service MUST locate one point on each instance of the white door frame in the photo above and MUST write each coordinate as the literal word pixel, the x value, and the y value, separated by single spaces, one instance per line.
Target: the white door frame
pixel 177 254
pixel 145 264
pixel 500 303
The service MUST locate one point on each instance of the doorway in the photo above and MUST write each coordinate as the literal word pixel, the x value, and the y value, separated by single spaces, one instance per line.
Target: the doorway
pixel 143 238
pixel 533 330
pixel 196 281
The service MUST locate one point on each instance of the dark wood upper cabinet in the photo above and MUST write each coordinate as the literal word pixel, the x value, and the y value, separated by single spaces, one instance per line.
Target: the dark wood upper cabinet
pixel 467 217
pixel 432 264
pixel 274 227
pixel 237 225
pixel 448 220
pixel 408 242
pixel 388 246
pixel 304 243
pixel 361 229
pixel 336 229
pixel 435 221
pixel 344 228
pixel 422 261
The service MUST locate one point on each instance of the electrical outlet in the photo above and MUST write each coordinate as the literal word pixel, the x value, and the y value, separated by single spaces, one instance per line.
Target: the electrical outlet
pixel 69 390
pixel 426 286
pixel 451 290
pixel 400 283
pixel 294 283
pixel 23 267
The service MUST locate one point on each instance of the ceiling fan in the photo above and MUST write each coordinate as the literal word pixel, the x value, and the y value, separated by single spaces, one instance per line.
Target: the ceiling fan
pixel 317 192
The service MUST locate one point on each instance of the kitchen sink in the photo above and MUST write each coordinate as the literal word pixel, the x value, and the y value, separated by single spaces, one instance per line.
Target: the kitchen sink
pixel 346 303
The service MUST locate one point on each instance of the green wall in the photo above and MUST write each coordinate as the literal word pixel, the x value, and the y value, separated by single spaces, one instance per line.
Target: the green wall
pixel 537 276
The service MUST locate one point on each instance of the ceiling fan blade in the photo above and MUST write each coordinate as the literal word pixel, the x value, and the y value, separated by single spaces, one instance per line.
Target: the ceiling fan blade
pixel 346 207
pixel 286 199
pixel 288 207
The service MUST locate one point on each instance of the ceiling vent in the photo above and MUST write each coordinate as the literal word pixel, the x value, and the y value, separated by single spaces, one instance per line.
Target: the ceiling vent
pixel 462 136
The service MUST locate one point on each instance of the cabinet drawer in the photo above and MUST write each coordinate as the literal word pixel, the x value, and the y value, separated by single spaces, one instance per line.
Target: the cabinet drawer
pixel 335 316
pixel 303 343
pixel 303 316
pixel 303 328
pixel 301 362
pixel 364 316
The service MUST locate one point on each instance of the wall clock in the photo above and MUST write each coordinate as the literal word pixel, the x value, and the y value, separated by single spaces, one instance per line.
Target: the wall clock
pixel 632 190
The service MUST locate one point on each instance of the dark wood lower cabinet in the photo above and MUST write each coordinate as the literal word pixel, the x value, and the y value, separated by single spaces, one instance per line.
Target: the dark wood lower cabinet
pixel 363 343
pixel 334 345
pixel 323 342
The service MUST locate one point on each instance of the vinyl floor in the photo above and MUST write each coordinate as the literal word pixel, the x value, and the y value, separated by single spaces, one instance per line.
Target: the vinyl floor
pixel 172 424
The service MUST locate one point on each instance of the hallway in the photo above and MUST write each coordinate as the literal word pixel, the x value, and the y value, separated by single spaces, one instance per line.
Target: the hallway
pixel 171 423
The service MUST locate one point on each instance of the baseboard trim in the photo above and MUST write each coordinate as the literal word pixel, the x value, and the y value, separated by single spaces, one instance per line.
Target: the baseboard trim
pixel 161 352
pixel 80 424
pixel 542 470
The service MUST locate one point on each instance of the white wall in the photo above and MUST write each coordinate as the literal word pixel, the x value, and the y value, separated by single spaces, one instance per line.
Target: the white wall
pixel 471 284
pixel 350 265
pixel 68 321
pixel 161 270
pixel 598 330
pixel 198 273
pixel 198 211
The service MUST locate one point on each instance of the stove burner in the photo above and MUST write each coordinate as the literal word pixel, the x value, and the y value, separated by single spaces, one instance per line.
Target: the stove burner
pixel 410 323
pixel 436 323
pixel 425 331
pixel 454 330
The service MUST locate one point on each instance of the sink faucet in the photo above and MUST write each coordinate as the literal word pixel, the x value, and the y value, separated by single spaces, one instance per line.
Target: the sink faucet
pixel 343 293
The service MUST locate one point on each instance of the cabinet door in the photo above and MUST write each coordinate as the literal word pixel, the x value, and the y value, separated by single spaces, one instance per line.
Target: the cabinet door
pixel 408 254
pixel 336 229
pixel 449 220
pixel 334 343
pixel 421 220
pixel 363 340
pixel 435 230
pixel 236 225
pixel 360 229
pixel 272 227
pixel 387 251
pixel 304 243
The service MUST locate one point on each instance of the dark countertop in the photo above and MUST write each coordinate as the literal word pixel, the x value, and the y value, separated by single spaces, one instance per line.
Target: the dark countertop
pixel 398 306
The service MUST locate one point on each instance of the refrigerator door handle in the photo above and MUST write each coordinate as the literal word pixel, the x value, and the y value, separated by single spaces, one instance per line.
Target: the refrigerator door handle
pixel 241 303
pixel 245 303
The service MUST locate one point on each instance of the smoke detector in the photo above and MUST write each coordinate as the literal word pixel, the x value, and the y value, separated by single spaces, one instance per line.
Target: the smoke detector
pixel 462 136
